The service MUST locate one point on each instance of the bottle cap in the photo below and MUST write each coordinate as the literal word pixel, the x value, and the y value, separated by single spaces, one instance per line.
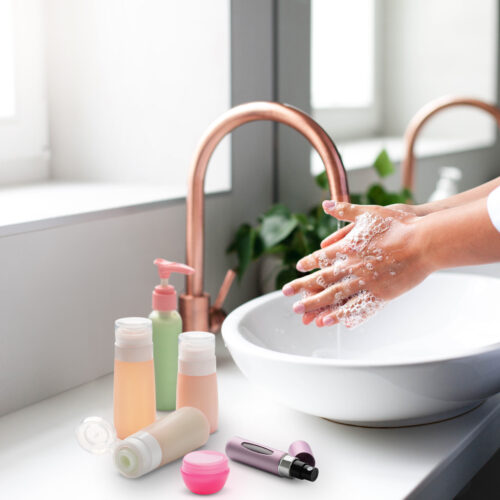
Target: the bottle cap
pixel 197 353
pixel 452 173
pixel 196 346
pixel 96 435
pixel 205 471
pixel 138 454
pixel 133 332
pixel 164 295
pixel 302 451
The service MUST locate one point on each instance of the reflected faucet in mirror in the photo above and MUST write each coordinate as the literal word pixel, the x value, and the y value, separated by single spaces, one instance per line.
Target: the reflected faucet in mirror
pixel 419 120
pixel 194 305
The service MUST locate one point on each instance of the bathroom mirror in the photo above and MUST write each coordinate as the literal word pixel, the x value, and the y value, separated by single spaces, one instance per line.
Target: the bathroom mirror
pixel 374 63
pixel 363 69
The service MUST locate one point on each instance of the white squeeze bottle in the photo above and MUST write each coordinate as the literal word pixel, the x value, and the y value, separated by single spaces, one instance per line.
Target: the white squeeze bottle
pixel 157 444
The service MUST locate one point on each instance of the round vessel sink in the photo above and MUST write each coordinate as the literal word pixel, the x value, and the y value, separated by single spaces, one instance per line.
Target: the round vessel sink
pixel 431 354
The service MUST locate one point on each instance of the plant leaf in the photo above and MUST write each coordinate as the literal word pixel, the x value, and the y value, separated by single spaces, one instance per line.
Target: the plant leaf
pixel 258 246
pixel 244 243
pixel 286 275
pixel 377 195
pixel 407 195
pixel 383 164
pixel 278 209
pixel 275 229
pixel 322 180
pixel 325 225
pixel 357 199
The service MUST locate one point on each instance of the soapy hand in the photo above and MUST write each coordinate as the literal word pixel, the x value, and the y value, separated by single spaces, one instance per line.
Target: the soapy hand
pixel 376 258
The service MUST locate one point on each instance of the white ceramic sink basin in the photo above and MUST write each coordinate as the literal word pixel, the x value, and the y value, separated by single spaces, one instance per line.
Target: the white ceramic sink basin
pixel 431 354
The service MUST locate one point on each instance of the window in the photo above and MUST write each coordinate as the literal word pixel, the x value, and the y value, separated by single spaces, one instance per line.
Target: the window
pixel 127 88
pixel 7 90
pixel 24 153
pixel 342 39
pixel 343 72
pixel 376 62
pixel 132 87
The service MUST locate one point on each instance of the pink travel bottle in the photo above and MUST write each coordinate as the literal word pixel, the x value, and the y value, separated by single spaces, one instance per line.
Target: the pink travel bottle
pixel 270 460
pixel 197 380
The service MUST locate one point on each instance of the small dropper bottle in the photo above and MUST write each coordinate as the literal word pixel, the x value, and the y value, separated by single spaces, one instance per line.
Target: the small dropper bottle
pixel 134 377
pixel 197 379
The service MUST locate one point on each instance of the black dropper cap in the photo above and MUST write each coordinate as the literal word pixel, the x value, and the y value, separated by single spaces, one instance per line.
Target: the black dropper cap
pixel 301 470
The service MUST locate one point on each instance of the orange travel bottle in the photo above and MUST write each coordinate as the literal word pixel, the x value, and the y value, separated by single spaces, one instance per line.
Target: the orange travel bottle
pixel 197 380
pixel 134 377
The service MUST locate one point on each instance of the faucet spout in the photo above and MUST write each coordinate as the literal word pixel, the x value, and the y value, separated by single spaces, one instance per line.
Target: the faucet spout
pixel 194 304
pixel 421 118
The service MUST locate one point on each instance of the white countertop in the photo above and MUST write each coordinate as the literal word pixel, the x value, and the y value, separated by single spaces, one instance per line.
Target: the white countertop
pixel 40 458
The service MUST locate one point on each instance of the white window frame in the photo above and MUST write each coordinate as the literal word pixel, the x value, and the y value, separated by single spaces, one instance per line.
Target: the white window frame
pixel 24 154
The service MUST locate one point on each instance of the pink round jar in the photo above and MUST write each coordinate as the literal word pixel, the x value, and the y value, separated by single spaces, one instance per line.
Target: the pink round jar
pixel 205 472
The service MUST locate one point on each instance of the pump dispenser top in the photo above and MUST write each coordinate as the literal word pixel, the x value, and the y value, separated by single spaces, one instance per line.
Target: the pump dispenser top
pixel 164 295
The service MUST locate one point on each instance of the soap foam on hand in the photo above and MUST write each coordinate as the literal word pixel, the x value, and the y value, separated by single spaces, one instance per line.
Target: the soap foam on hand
pixel 361 241
pixel 359 309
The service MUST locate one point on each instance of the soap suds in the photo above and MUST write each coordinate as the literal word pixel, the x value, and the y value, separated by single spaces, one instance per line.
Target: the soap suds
pixel 320 280
pixel 366 228
pixel 362 305
pixel 359 308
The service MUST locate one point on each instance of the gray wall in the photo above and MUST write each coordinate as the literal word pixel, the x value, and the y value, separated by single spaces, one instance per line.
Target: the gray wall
pixel 62 288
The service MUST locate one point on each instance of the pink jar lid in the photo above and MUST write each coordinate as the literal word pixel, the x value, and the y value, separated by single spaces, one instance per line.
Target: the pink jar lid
pixel 205 472
pixel 204 462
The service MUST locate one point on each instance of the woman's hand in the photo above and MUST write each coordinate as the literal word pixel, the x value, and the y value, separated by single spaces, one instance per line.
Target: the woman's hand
pixel 376 258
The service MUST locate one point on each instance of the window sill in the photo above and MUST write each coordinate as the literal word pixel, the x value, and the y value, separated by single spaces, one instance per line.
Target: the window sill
pixel 44 205
pixel 361 153
pixel 39 206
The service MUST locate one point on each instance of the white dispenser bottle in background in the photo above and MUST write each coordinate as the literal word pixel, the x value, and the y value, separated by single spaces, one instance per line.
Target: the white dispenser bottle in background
pixel 447 185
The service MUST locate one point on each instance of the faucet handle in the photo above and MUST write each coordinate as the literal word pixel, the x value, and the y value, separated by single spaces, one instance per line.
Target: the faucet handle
pixel 217 315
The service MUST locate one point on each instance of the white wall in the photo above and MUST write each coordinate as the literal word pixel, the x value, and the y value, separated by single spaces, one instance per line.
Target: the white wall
pixel 132 86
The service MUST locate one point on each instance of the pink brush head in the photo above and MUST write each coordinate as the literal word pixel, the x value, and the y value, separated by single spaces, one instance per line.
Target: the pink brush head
pixel 164 295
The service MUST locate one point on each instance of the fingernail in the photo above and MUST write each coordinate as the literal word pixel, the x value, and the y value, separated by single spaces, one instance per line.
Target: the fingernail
pixel 287 290
pixel 328 321
pixel 300 266
pixel 329 205
pixel 299 308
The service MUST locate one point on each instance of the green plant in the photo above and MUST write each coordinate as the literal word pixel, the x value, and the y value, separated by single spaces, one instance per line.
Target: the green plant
pixel 291 236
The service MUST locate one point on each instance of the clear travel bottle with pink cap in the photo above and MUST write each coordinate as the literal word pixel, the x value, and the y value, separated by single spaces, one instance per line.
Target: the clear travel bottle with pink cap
pixel 197 379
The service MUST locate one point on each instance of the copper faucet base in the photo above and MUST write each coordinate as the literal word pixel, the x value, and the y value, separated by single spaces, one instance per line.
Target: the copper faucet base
pixel 194 312
pixel 195 304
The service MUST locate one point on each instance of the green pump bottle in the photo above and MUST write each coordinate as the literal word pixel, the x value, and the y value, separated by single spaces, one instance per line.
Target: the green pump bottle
pixel 167 326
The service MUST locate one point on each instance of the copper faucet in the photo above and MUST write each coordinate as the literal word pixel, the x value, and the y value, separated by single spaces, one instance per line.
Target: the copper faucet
pixel 421 117
pixel 195 303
